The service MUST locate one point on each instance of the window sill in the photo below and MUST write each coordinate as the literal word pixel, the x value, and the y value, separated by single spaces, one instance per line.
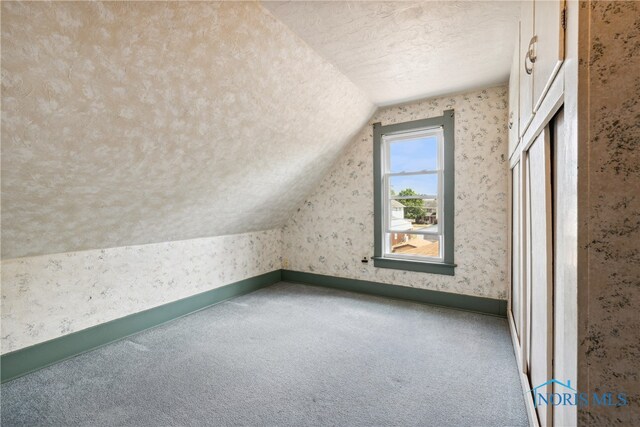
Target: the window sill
pixel 421 266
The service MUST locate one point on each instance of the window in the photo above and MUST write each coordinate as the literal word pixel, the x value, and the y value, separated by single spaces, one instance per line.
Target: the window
pixel 414 197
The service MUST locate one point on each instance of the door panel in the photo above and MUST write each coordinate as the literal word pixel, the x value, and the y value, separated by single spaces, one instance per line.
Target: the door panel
pixel 549 46
pixel 516 284
pixel 540 268
pixel 514 97
pixel 526 261
pixel 565 193
pixel 526 80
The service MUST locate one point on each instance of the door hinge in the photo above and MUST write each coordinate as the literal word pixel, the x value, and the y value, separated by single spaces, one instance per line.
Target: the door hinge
pixel 563 18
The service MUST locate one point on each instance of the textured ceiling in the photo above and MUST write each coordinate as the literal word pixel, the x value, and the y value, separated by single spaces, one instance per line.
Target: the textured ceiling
pixel 136 122
pixel 399 51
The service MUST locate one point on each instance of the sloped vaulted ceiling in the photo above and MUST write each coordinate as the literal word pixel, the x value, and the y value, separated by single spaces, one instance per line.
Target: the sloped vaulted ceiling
pixel 398 51
pixel 135 122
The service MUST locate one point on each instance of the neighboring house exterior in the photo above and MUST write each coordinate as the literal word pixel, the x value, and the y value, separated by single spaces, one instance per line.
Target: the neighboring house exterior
pixel 397 210
pixel 399 223
pixel 407 243
pixel 431 209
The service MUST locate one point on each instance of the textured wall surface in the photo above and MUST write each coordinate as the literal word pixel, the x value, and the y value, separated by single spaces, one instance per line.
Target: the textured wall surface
pixel 565 267
pixel 137 122
pixel 333 229
pixel 48 296
pixel 398 51
pixel 609 286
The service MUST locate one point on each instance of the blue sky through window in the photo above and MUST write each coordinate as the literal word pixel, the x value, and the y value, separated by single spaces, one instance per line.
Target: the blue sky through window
pixel 412 156
pixel 421 184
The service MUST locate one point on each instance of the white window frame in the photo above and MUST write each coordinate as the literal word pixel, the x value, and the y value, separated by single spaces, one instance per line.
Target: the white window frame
pixel 401 137
pixel 382 258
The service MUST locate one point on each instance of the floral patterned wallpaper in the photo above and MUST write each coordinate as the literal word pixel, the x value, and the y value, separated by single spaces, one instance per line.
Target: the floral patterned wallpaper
pixel 114 134
pixel 609 208
pixel 333 229
pixel 45 297
pixel 137 122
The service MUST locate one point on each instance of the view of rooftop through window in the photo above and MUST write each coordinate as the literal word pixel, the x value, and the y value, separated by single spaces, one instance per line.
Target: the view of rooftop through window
pixel 413 184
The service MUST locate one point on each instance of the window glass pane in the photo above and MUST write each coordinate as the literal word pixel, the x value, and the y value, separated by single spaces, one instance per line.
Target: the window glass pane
pixel 414 244
pixel 414 155
pixel 414 215
pixel 414 185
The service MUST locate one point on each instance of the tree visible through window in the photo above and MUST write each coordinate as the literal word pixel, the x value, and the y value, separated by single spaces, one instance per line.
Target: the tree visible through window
pixel 414 193
pixel 412 176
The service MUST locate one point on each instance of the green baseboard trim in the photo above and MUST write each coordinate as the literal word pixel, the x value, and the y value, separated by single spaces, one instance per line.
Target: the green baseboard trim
pixel 38 356
pixel 462 302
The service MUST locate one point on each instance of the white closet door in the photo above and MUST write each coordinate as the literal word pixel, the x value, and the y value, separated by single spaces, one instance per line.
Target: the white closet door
pixel 516 284
pixel 540 268
pixel 526 79
pixel 549 46
pixel 514 97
